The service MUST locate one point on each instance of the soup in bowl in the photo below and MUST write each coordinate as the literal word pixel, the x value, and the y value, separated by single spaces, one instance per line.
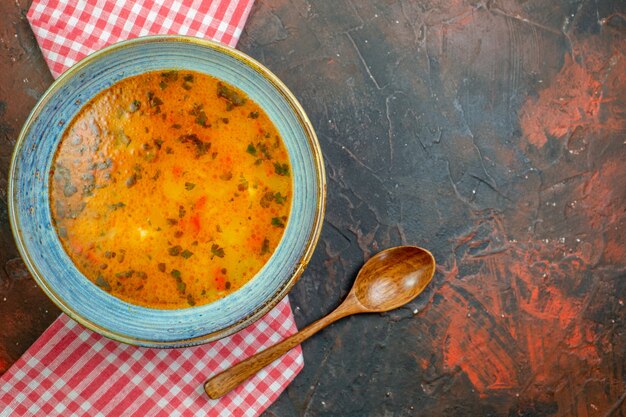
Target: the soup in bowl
pixel 167 191
pixel 170 189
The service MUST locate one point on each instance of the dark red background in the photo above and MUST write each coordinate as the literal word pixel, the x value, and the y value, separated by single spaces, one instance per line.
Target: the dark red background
pixel 492 132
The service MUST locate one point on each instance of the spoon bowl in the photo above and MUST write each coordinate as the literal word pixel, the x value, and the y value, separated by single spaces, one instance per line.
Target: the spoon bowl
pixel 388 280
pixel 393 277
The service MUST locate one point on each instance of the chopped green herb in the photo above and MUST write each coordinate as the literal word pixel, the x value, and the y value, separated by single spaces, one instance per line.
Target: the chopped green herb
pixel 227 176
pixel 175 250
pixel 178 234
pixel 181 211
pixel 158 142
pixel 251 149
pixel 103 283
pixel 162 267
pixel 277 222
pixel 281 169
pixel 279 198
pixel 265 247
pixel 225 120
pixel 201 117
pixel 263 148
pixel 232 97
pixel 170 75
pixel 227 285
pixel 190 186
pixel 117 206
pixel 149 156
pixel 254 115
pixel 125 274
pixel 188 77
pixel 187 86
pixel 176 126
pixel 190 300
pixel 217 251
pixel 201 147
pixel 180 285
pixel 186 254
pixel 172 222
pixel 163 85
pixel 132 180
pixel 153 100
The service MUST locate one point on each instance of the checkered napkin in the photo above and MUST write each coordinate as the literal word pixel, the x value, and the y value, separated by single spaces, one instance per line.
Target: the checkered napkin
pixel 72 371
pixel 69 30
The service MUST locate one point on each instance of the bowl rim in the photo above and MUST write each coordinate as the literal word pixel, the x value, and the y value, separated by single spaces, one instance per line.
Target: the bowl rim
pixel 312 238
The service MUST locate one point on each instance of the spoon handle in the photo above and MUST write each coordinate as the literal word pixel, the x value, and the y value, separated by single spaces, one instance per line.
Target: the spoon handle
pixel 228 379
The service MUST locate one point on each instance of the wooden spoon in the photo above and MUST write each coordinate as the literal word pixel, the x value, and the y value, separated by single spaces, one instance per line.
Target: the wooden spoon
pixel 388 280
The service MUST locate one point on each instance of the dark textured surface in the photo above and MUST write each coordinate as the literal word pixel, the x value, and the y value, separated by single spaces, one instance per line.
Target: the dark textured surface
pixel 492 132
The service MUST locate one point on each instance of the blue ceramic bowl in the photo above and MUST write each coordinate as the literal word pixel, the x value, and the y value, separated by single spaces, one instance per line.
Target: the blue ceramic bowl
pixel 36 236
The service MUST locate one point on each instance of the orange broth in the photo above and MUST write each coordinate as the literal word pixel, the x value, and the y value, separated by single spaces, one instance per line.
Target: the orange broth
pixel 170 189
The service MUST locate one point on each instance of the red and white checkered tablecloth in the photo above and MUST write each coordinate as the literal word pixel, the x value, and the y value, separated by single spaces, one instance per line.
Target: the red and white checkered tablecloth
pixel 72 371
pixel 69 30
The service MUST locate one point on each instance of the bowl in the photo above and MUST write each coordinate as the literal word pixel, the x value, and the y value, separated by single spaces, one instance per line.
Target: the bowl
pixel 51 267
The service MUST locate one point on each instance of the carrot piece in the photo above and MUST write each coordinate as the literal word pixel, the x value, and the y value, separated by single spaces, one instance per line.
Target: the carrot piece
pixel 195 222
